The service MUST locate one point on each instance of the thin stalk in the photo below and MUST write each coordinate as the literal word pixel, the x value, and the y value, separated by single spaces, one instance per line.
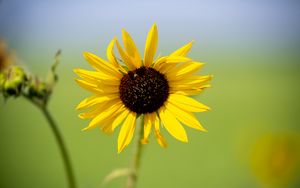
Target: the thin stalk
pixel 62 147
pixel 133 177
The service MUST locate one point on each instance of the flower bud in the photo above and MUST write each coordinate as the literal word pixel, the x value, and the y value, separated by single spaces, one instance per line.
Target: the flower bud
pixel 13 81
pixel 1 80
pixel 41 90
pixel 36 89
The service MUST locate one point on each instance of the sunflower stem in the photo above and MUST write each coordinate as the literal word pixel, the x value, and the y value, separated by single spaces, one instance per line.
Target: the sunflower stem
pixel 62 147
pixel 133 177
pixel 42 105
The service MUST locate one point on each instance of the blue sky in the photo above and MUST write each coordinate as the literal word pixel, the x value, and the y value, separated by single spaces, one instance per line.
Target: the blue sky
pixel 70 24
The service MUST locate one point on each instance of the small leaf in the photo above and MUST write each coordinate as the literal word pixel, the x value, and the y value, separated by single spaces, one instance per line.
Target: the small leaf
pixel 118 173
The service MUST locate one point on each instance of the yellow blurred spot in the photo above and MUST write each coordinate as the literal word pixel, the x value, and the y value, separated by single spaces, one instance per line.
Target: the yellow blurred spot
pixel 275 159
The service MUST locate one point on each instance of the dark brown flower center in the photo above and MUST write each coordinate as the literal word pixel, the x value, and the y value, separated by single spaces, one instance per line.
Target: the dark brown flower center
pixel 144 90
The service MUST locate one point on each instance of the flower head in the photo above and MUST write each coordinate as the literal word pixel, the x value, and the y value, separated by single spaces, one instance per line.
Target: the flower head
pixel 158 88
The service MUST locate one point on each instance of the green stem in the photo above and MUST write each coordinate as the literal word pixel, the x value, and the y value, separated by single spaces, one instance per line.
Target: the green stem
pixel 133 177
pixel 62 147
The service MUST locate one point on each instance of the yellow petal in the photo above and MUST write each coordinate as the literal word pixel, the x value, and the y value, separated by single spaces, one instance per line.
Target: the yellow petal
pixel 187 103
pixel 184 69
pixel 87 102
pixel 172 125
pixel 84 74
pixel 199 87
pixel 159 62
pixel 151 45
pixel 188 91
pixel 108 89
pixel 93 100
pixel 185 117
pixel 95 110
pixel 159 137
pixel 178 59
pixel 97 79
pixel 99 108
pixel 111 56
pixel 127 131
pixel 119 119
pixel 109 82
pixel 192 80
pixel 99 88
pixel 126 58
pixel 131 49
pixel 166 67
pixel 107 129
pixel 114 120
pixel 88 86
pixel 147 126
pixel 105 114
pixel 183 51
pixel 95 75
pixel 102 65
pixel 108 124
pixel 165 61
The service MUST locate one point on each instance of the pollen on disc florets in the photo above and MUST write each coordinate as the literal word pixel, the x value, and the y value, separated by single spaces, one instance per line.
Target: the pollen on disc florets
pixel 144 90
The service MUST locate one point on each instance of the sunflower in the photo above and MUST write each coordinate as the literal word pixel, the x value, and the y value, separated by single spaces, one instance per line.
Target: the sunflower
pixel 126 87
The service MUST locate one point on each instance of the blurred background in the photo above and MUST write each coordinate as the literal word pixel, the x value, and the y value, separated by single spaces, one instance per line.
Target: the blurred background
pixel 251 47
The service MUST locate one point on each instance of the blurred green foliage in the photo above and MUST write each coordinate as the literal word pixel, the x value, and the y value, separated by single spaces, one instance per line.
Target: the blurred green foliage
pixel 250 96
